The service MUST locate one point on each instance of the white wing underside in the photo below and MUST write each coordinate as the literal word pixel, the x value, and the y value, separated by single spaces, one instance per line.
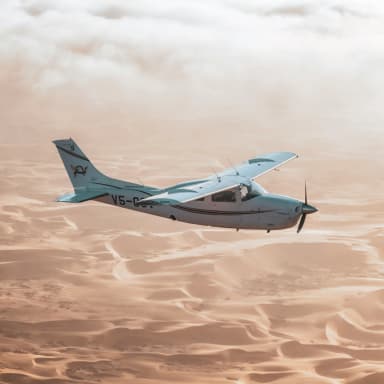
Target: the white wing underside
pixel 230 178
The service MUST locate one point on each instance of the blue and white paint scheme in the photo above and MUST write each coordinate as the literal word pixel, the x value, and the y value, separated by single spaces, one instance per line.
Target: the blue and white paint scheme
pixel 229 199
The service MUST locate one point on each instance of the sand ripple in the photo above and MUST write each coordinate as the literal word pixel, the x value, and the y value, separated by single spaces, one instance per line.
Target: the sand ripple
pixel 95 294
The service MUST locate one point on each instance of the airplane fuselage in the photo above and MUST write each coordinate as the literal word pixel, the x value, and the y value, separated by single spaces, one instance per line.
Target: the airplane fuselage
pixel 265 211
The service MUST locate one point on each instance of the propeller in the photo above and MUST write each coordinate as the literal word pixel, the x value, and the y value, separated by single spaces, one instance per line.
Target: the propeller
pixel 306 209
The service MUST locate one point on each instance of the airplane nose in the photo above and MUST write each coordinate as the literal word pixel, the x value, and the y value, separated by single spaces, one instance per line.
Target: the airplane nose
pixel 308 209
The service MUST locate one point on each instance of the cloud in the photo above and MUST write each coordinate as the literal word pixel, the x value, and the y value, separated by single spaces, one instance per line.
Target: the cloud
pixel 256 62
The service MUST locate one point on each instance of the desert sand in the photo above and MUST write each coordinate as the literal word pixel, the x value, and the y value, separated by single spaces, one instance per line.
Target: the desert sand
pixel 159 93
pixel 91 293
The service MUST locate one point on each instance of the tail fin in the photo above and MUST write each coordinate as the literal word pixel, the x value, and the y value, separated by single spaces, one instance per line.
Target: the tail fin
pixel 79 168
pixel 87 181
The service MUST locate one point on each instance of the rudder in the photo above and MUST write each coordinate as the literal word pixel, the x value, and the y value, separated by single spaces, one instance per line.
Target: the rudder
pixel 79 168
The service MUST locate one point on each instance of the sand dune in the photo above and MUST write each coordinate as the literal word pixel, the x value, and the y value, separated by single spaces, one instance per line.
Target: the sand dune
pixel 130 298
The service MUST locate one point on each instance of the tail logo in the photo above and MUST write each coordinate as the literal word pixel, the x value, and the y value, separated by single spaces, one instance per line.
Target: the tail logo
pixel 79 170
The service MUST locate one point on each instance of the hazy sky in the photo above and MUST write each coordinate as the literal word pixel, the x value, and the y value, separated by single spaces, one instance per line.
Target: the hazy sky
pixel 147 64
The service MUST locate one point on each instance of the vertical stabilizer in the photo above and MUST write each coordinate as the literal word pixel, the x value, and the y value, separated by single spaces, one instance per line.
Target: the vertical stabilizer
pixel 79 168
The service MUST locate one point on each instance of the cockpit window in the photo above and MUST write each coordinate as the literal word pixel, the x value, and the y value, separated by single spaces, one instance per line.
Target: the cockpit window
pixel 251 191
pixel 224 196
pixel 243 192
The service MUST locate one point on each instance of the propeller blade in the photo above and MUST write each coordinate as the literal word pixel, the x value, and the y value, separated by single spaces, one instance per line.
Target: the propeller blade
pixel 306 209
pixel 305 192
pixel 302 221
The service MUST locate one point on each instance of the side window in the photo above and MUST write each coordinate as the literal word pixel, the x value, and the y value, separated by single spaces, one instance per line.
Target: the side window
pixel 244 193
pixel 224 196
pixel 201 199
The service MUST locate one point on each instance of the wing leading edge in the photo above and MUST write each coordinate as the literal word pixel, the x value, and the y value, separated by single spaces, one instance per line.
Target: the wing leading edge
pixel 260 165
pixel 227 179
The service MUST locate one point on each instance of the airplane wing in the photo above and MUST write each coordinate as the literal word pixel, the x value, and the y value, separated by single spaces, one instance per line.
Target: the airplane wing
pixel 228 179
pixel 260 165
pixel 195 190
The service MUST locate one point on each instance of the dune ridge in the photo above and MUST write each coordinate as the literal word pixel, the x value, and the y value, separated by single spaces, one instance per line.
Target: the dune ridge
pixel 129 298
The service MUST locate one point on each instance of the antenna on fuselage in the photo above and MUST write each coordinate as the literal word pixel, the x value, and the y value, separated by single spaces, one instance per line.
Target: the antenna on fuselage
pixel 233 167
pixel 218 177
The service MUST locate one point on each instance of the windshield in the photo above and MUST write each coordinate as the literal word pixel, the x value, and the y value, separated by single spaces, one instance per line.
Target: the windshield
pixel 251 191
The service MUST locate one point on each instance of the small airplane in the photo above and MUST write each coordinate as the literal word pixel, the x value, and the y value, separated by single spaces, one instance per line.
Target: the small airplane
pixel 229 199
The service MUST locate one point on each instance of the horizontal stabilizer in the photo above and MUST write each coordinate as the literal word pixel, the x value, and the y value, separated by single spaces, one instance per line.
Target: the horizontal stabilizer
pixel 79 197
